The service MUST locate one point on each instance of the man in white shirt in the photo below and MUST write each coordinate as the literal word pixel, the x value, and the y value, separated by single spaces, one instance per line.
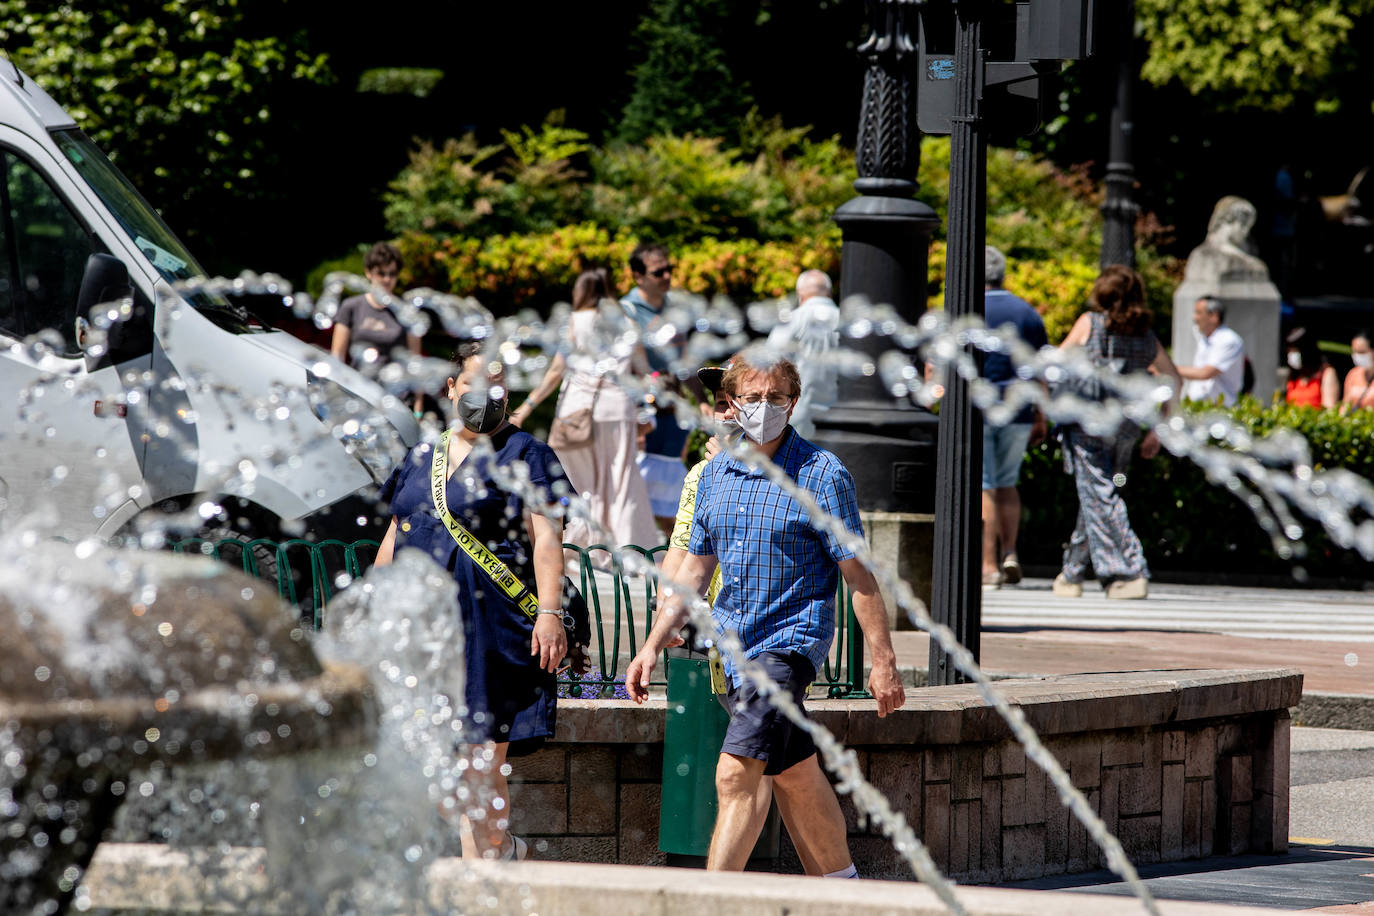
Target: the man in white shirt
pixel 1218 369
pixel 808 337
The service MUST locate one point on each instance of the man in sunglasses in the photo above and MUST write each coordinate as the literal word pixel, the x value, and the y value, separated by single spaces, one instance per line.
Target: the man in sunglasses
pixel 653 275
pixel 665 445
pixel 779 574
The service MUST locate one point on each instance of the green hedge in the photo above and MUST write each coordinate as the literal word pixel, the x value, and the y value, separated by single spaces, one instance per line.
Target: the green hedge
pixel 1189 525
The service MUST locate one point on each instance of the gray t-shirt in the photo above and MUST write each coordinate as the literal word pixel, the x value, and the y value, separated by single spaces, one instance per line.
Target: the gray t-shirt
pixel 371 327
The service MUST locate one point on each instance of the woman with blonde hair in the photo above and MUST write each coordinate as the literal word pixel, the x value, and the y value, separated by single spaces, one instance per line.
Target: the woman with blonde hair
pixel 601 466
pixel 1116 332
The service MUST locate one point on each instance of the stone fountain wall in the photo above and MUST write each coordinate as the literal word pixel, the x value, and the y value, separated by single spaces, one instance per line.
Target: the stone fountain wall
pixel 1178 764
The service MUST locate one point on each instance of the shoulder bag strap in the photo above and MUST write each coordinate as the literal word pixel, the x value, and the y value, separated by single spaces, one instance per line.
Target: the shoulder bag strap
pixel 487 561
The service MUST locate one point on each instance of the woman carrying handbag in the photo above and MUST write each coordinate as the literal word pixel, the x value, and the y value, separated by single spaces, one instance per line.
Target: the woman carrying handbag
pixel 595 422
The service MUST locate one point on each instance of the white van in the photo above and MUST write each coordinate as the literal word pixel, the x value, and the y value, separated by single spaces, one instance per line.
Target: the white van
pixel 190 401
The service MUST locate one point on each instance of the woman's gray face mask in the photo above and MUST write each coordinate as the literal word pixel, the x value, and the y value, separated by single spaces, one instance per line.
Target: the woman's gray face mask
pixel 480 411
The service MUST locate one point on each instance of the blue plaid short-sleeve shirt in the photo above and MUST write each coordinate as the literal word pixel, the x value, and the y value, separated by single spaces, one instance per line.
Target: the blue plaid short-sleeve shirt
pixel 778 571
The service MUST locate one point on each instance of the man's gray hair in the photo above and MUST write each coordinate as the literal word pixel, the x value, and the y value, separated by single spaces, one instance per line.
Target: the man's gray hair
pixel 812 283
pixel 1213 306
pixel 994 266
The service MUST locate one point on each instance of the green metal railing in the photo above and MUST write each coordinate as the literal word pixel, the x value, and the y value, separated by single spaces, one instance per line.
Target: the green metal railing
pixel 621 621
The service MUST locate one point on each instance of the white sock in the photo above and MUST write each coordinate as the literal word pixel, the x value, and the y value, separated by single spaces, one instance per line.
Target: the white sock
pixel 848 871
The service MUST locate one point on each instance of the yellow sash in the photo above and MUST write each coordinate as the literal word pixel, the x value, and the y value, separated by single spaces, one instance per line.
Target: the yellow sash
pixel 487 561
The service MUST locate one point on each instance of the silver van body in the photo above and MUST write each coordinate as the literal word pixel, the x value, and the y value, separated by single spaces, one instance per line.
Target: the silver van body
pixel 188 399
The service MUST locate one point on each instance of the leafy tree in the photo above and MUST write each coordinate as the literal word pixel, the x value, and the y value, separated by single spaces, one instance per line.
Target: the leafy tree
pixel 684 84
pixel 192 98
pixel 1266 54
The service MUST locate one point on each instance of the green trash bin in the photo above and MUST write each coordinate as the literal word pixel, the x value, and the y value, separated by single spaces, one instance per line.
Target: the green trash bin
pixel 692 736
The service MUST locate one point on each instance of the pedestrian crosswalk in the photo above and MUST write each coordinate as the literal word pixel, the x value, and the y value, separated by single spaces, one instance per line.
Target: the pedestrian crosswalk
pixel 1254 612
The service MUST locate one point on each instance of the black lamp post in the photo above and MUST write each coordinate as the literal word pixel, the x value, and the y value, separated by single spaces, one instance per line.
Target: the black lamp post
pixel 1119 210
pixel 887 445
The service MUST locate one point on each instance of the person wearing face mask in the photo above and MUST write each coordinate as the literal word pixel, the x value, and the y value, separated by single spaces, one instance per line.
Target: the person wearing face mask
pixel 1218 369
pixel 510 659
pixel 779 573
pixel 1311 380
pixel 1359 381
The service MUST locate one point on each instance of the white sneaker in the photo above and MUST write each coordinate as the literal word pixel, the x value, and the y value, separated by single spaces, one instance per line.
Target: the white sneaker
pixel 519 850
pixel 1011 570
pixel 1138 587
pixel 1066 589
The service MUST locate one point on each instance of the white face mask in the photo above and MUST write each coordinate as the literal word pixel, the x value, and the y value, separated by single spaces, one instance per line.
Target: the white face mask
pixel 1294 360
pixel 762 422
pixel 1363 360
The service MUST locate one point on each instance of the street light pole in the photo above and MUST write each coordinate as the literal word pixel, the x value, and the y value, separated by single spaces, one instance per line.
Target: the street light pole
pixel 956 591
pixel 885 443
pixel 1119 210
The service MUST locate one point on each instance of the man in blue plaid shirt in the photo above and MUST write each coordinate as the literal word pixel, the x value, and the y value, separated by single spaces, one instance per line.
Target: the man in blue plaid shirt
pixel 779 574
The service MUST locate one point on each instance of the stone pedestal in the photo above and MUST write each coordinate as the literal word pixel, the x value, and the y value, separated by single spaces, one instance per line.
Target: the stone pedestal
pixel 903 542
pixel 1224 266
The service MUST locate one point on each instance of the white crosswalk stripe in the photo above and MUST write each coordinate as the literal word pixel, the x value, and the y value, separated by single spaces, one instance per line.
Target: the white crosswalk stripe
pixel 1256 612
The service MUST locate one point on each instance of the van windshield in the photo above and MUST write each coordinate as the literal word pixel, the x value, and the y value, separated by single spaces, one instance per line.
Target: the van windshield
pixel 143 225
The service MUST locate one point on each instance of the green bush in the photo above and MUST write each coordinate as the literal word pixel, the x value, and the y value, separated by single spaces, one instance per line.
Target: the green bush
pixel 1188 524
pixel 513 223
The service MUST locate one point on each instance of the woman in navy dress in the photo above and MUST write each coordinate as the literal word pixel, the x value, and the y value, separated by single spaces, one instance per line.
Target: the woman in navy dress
pixel 510 689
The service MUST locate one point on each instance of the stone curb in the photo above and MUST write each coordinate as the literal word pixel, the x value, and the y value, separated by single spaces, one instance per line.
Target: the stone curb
pixel 1335 710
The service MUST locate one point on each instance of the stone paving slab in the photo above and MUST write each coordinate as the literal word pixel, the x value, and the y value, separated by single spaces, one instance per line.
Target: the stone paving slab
pixel 1327 667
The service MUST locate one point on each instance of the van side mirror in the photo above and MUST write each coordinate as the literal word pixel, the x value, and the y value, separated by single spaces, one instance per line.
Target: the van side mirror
pixel 106 279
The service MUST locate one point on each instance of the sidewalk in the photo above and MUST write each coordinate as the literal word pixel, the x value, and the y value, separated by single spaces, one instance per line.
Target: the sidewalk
pixel 1338 672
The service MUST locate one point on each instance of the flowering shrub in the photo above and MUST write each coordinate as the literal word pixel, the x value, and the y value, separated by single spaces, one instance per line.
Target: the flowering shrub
pixel 592 686
pixel 514 223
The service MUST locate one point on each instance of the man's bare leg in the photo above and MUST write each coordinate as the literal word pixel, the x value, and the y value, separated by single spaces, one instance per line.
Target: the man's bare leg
pixel 992 563
pixel 739 815
pixel 1008 521
pixel 801 840
pixel 815 820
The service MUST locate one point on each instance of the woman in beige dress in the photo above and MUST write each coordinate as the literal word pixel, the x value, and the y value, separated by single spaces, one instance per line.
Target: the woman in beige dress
pixel 602 469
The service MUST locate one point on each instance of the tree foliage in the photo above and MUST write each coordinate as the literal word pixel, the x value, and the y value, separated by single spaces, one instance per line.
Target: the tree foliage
pixel 185 95
pixel 1265 54
pixel 684 83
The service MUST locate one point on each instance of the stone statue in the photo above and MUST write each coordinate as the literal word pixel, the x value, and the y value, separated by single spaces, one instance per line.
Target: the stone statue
pixel 1225 266
pixel 1226 255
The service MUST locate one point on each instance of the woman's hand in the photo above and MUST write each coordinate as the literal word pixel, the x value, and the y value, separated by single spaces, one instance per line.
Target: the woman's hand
pixel 1149 446
pixel 549 641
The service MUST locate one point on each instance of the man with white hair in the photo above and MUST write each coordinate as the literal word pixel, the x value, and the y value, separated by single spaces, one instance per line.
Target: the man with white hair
pixel 807 337
pixel 1004 447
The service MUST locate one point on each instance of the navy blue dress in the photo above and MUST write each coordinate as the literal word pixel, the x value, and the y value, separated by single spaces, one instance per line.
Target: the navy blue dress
pixel 508 697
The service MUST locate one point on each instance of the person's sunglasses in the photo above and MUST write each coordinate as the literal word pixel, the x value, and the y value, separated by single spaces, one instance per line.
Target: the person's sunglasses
pixel 661 272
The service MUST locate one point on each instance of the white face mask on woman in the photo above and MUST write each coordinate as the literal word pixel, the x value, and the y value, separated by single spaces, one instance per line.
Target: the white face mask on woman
pixel 1363 360
pixel 762 422
pixel 1295 360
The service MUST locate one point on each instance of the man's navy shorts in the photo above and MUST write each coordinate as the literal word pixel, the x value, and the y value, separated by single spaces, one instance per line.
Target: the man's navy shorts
pixel 758 730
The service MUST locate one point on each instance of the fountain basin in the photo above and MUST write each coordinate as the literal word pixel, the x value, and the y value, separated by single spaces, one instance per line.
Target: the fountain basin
pixel 1179 764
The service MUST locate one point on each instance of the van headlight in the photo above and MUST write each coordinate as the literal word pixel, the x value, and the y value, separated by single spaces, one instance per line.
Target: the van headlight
pixel 361 426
